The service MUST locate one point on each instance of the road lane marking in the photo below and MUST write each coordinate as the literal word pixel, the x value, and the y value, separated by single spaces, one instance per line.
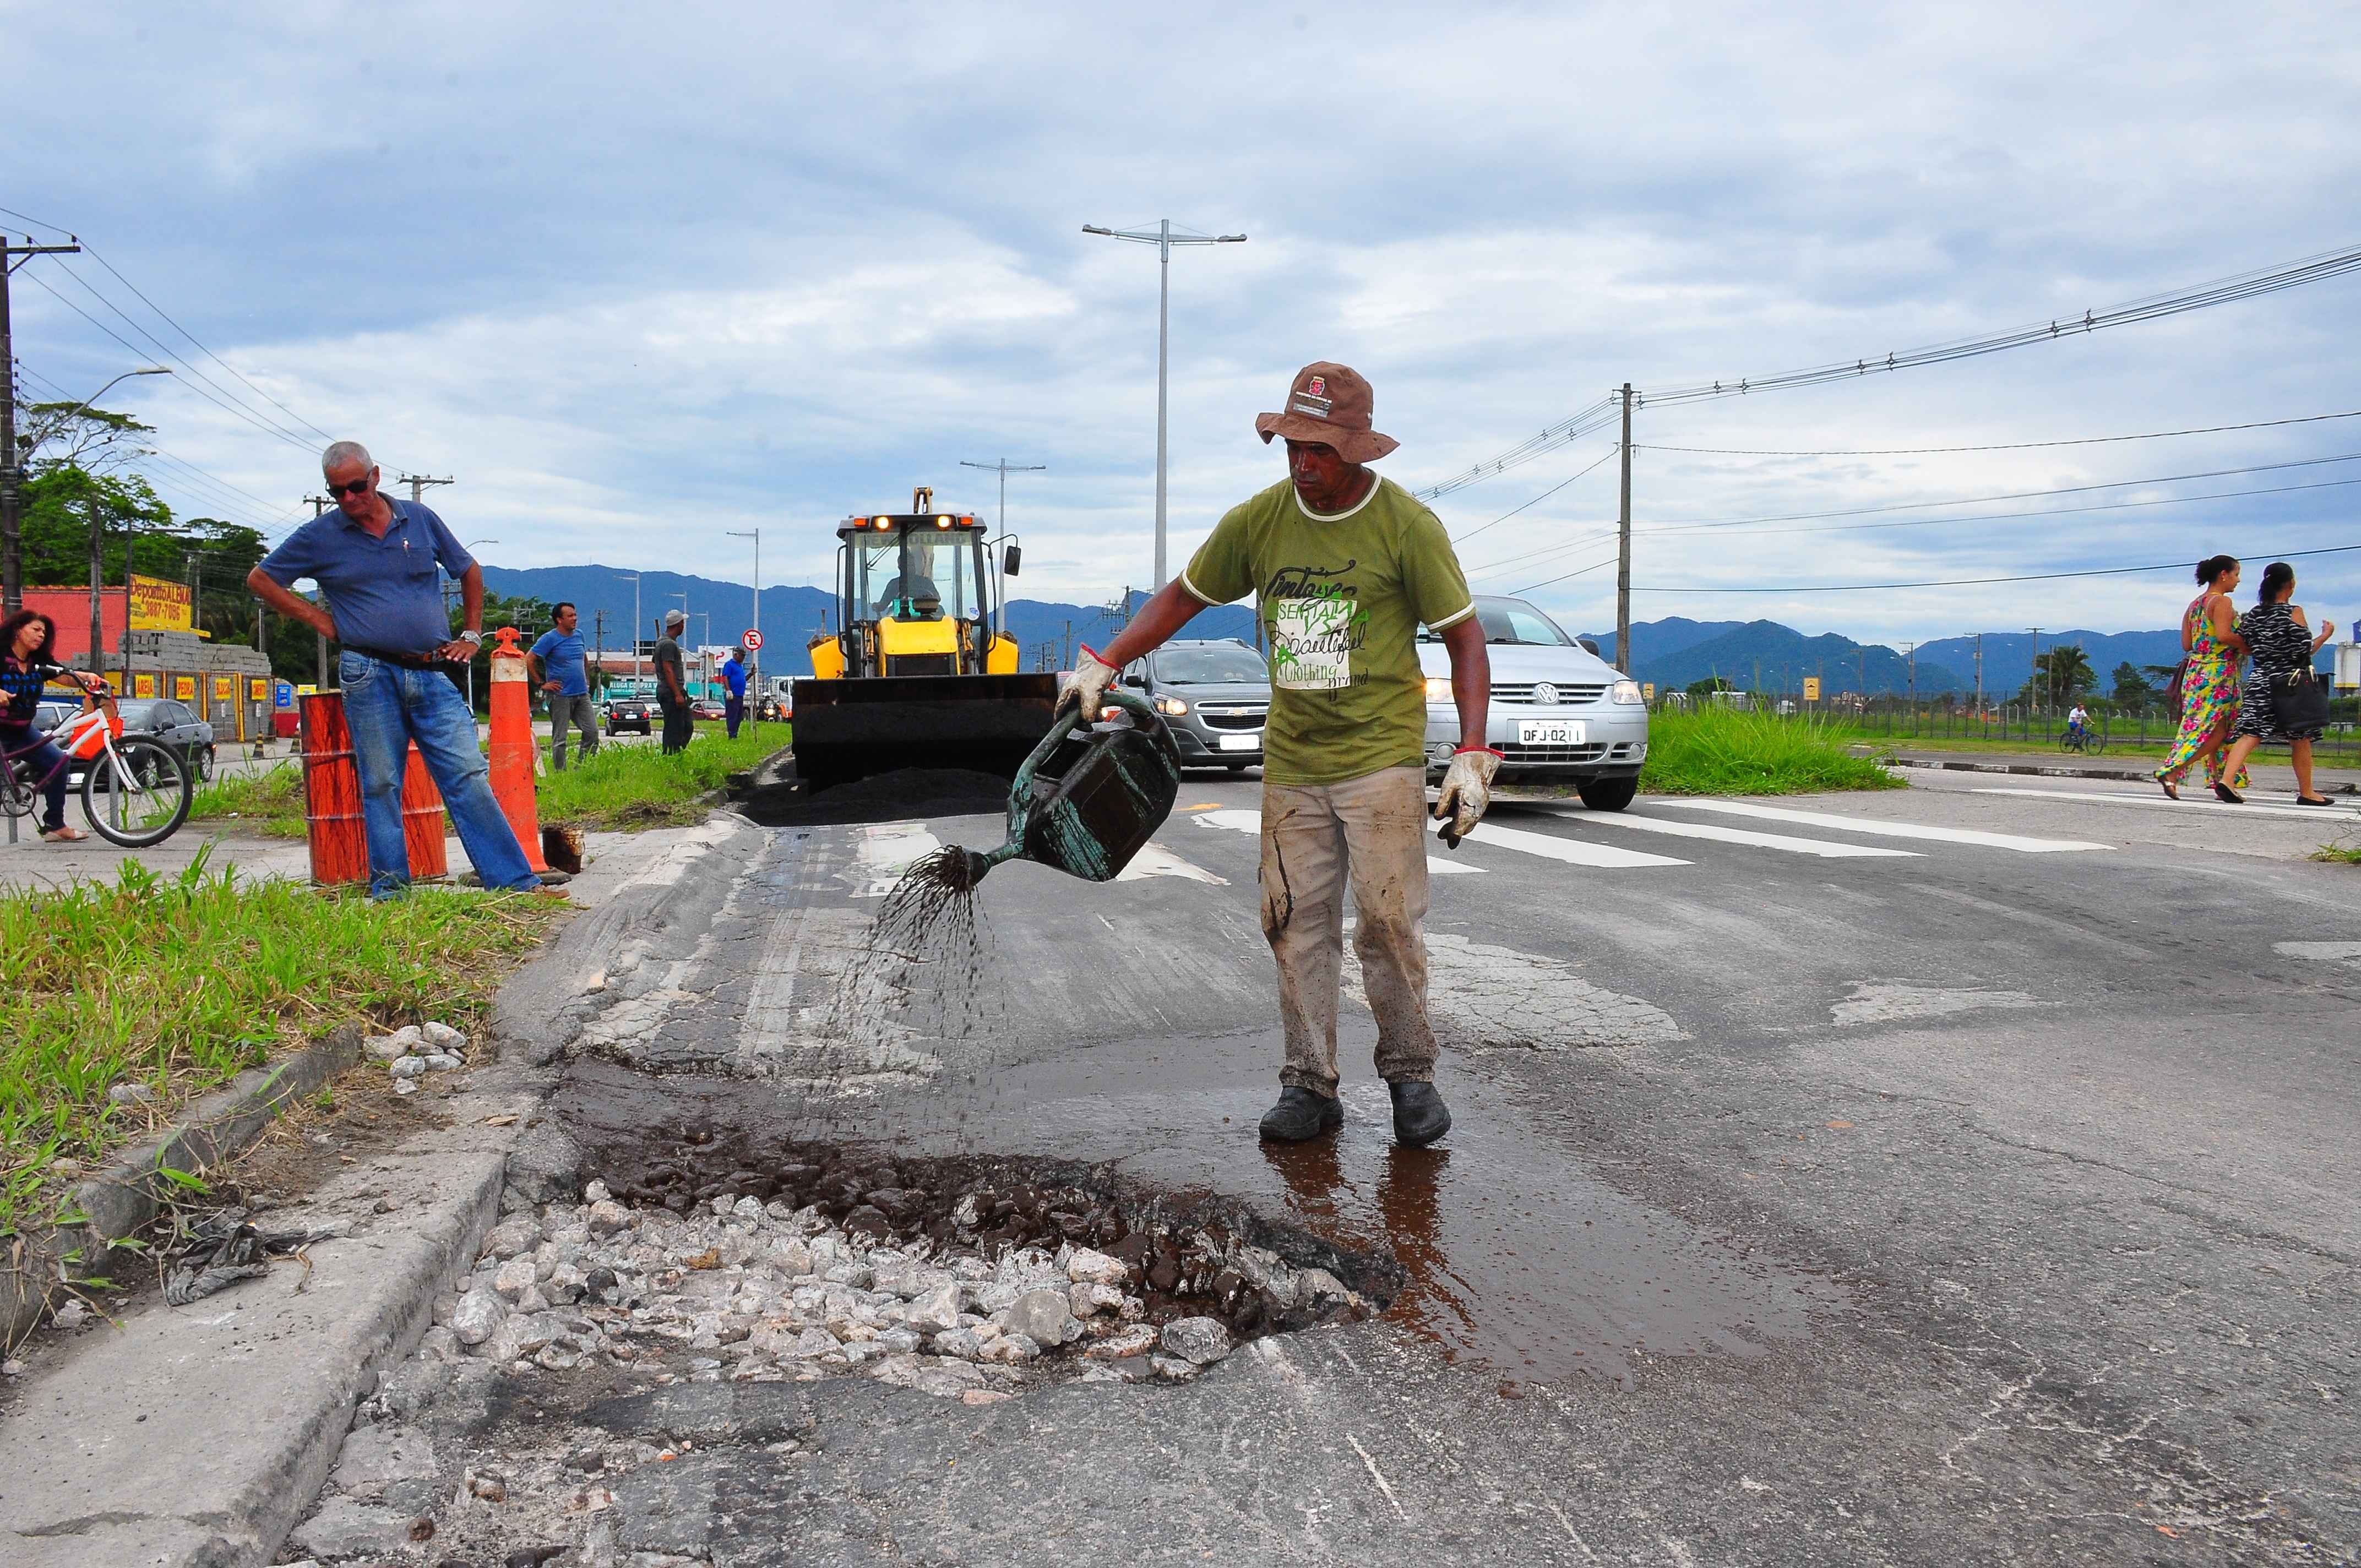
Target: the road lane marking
pixel 1573 852
pixel 2204 803
pixel 2020 843
pixel 1825 849
pixel 1238 821
pixel 883 852
pixel 1155 860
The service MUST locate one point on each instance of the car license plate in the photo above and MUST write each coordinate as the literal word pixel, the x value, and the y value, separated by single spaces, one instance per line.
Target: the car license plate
pixel 1549 732
pixel 1242 743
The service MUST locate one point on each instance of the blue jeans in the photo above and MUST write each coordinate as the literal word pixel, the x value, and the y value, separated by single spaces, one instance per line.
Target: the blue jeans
pixel 44 761
pixel 386 708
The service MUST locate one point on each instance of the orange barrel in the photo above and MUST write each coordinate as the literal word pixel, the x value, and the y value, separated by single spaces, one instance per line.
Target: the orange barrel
pixel 331 792
pixel 421 818
pixel 513 752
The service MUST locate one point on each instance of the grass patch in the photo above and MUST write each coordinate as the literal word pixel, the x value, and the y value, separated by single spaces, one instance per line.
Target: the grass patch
pixel 1723 750
pixel 634 787
pixel 270 802
pixel 182 983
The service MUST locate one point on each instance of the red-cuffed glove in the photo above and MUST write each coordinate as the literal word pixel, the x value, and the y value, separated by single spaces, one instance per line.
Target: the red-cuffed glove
pixel 1093 675
pixel 1466 792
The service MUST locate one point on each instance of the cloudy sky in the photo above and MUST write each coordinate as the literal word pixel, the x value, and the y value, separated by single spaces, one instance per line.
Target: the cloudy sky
pixel 639 276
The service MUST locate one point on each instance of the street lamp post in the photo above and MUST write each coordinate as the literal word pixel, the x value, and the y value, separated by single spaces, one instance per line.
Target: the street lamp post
pixel 755 674
pixel 1163 239
pixel 97 538
pixel 634 579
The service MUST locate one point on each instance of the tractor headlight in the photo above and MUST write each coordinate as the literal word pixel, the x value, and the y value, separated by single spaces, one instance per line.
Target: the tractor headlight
pixel 1170 706
pixel 1438 688
pixel 1628 692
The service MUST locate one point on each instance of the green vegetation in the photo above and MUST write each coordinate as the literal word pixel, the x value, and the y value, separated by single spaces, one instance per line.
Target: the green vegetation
pixel 1726 750
pixel 632 787
pixel 178 984
pixel 270 802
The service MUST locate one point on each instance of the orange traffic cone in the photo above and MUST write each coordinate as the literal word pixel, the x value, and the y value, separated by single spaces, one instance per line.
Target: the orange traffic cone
pixel 512 745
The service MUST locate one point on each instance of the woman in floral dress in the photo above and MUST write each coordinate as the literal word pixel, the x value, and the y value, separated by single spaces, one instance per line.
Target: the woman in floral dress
pixel 2208 680
pixel 2282 642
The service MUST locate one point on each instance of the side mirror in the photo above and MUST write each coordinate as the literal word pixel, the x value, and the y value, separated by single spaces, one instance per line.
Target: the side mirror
pixel 1012 558
pixel 1590 646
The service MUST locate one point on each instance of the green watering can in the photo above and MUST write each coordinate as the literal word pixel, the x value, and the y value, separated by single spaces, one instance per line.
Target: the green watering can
pixel 1091 795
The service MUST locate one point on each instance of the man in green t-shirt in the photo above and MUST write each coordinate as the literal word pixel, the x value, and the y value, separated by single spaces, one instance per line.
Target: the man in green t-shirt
pixel 1345 566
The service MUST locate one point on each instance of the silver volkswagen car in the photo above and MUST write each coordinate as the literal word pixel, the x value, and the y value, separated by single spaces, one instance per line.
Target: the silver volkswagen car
pixel 1559 711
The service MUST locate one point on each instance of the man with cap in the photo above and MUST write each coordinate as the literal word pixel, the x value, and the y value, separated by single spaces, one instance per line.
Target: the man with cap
pixel 672 684
pixel 1344 567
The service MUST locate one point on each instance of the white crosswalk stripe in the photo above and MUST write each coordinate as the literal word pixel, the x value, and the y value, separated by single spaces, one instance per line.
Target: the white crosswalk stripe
pixel 1251 822
pixel 1881 827
pixel 1825 849
pixel 1573 852
pixel 2204 801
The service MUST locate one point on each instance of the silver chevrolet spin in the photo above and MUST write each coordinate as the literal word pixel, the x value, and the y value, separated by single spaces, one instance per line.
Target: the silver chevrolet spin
pixel 1559 712
pixel 1215 694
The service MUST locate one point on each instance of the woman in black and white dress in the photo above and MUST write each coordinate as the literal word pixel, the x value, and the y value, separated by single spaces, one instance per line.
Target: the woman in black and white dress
pixel 2277 636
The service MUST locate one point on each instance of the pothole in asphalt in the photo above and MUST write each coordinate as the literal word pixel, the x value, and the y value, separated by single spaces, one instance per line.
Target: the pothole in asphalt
pixel 704 1257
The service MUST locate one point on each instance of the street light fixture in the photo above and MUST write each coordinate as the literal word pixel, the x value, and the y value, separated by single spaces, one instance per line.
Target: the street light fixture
pixel 1162 238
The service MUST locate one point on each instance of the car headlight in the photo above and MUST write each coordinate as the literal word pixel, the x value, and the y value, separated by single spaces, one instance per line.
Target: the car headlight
pixel 1438 688
pixel 1628 692
pixel 1170 706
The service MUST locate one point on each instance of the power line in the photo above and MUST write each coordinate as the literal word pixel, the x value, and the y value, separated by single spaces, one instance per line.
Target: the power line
pixel 1535 501
pixel 2031 578
pixel 1595 565
pixel 2239 286
pixel 2005 446
pixel 2040 512
pixel 215 481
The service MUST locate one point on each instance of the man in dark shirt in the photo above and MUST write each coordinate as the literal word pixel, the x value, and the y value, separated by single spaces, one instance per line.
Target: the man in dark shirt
pixel 672 684
pixel 374 558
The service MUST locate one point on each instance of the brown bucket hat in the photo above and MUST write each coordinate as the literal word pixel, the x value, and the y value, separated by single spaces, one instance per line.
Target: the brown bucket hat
pixel 1331 404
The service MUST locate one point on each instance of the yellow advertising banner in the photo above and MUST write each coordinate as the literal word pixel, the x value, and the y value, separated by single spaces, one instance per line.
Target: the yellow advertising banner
pixel 143 685
pixel 257 690
pixel 224 688
pixel 184 687
pixel 1811 688
pixel 160 605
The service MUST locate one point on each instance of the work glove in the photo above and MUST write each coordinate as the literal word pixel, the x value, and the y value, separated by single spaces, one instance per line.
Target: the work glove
pixel 1093 675
pixel 1466 792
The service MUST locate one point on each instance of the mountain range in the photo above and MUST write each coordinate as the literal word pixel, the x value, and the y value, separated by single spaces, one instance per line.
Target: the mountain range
pixel 1671 652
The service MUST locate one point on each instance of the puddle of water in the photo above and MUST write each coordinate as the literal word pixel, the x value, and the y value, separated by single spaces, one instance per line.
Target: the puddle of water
pixel 1517 1259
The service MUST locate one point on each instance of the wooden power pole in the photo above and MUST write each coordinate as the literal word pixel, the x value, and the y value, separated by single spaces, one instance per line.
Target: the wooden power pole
pixel 12 476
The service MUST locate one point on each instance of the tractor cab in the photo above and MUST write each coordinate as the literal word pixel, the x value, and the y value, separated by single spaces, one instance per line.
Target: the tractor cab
pixel 914 595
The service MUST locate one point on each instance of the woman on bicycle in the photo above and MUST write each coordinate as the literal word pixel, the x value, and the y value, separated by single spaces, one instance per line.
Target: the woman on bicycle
pixel 25 669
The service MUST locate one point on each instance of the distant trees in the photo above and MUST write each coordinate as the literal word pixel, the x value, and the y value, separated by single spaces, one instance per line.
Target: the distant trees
pixel 2132 689
pixel 1710 685
pixel 2060 676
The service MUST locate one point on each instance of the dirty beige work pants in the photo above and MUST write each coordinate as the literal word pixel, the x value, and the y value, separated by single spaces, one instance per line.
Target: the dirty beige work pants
pixel 1314 838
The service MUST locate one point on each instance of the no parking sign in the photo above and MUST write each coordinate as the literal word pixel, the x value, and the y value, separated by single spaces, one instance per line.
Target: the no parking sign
pixel 753 642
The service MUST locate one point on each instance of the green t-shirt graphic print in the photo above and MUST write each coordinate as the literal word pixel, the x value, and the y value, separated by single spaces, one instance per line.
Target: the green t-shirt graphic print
pixel 1341 597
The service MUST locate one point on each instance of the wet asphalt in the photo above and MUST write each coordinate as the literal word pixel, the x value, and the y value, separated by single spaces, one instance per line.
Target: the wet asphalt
pixel 1831 1195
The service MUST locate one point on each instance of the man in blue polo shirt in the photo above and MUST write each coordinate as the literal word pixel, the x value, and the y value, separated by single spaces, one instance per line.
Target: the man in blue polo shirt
pixel 560 663
pixel 374 558
pixel 734 710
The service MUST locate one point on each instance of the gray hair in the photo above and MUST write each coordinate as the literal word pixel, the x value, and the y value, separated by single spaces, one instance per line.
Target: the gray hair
pixel 340 453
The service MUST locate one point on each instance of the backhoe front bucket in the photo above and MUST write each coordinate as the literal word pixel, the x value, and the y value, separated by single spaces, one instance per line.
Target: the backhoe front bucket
pixel 851 729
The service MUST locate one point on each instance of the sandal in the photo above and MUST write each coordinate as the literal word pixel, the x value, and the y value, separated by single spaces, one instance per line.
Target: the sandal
pixel 63 836
pixel 2224 793
pixel 2170 792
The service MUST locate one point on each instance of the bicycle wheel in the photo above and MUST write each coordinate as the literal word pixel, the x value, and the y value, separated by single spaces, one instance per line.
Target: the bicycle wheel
pixel 2066 742
pixel 147 791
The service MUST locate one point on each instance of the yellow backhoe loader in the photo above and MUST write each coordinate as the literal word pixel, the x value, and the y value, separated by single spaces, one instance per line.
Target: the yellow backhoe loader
pixel 919 671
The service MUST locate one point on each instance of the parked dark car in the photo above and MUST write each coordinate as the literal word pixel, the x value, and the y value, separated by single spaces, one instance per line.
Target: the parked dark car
pixel 173 723
pixel 1215 695
pixel 631 713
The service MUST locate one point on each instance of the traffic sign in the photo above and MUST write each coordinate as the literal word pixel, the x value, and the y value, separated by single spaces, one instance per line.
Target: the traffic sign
pixel 282 695
pixel 754 640
pixel 1811 688
pixel 1648 690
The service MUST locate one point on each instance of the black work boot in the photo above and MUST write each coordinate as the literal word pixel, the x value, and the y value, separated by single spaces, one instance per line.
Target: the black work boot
pixel 1420 1114
pixel 1302 1113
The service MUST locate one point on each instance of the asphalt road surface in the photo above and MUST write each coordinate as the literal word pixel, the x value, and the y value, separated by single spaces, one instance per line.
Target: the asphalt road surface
pixel 1957 1174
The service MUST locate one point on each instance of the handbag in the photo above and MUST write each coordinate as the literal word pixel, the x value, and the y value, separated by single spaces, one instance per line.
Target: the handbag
pixel 2299 701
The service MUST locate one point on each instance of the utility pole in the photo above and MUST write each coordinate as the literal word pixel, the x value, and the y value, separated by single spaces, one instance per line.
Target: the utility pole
pixel 12 477
pixel 1623 549
pixel 598 623
pixel 418 483
pixel 1164 239
pixel 2033 677
pixel 1980 673
pixel 319 674
pixel 1003 469
pixel 1910 650
pixel 754 659
pixel 97 576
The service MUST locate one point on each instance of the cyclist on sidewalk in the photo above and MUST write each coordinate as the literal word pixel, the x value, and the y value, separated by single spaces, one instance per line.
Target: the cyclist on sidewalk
pixel 25 669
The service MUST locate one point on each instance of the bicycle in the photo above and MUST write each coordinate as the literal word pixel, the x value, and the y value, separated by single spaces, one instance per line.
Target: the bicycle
pixel 2086 741
pixel 148 788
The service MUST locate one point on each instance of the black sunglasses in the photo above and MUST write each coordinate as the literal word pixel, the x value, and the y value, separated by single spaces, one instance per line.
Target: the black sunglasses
pixel 359 487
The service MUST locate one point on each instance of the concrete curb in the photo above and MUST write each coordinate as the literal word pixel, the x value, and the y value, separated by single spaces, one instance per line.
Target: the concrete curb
pixel 2130 776
pixel 124 1199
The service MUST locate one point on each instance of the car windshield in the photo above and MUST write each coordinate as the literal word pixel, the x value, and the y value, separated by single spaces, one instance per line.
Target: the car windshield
pixel 1514 621
pixel 1209 666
